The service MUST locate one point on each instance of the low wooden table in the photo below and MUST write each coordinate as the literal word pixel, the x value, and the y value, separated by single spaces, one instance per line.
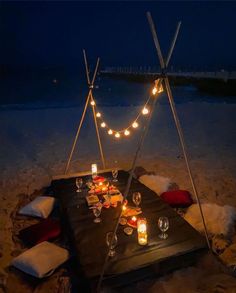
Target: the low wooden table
pixel 89 239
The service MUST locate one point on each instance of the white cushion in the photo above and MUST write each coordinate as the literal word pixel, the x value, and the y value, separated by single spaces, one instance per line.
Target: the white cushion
pixel 219 219
pixel 156 183
pixel 41 260
pixel 41 207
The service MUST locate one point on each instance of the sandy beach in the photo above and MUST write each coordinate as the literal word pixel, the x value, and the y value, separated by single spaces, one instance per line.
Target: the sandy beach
pixel 36 144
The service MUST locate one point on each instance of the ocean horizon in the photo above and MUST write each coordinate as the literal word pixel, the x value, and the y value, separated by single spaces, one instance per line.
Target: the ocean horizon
pixel 58 89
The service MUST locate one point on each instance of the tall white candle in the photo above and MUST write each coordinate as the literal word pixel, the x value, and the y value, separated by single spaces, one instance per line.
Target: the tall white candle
pixel 94 170
pixel 142 231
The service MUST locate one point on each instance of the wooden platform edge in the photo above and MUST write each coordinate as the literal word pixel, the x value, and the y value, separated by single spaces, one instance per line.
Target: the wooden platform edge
pixel 83 173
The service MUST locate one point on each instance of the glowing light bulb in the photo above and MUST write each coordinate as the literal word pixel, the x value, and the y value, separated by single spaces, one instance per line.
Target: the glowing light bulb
pixel 145 111
pixel 98 115
pixel 117 135
pixel 110 132
pixel 135 124
pixel 103 124
pixel 92 103
pixel 127 132
pixel 154 90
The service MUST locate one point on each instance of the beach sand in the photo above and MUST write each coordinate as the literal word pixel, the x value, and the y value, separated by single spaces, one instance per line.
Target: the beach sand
pixel 36 144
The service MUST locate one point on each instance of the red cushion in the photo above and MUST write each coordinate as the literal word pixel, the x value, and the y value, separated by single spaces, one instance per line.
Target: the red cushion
pixel 47 229
pixel 177 198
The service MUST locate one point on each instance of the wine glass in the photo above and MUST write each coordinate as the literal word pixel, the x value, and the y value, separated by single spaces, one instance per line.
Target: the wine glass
pixel 136 198
pixel 89 184
pixel 97 211
pixel 79 183
pixel 163 224
pixel 114 173
pixel 112 245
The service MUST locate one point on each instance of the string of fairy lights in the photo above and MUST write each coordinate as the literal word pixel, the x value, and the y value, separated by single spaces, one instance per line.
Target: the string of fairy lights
pixel 125 132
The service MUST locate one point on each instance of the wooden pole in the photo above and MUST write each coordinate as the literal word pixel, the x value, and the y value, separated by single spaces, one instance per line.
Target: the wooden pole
pixel 183 145
pixel 127 188
pixel 90 96
pixel 175 115
pixel 86 67
pixel 98 136
pixel 156 42
pixel 173 44
pixel 77 133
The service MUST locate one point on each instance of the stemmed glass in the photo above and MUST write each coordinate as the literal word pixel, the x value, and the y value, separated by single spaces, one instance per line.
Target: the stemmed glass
pixel 114 173
pixel 136 198
pixel 79 183
pixel 89 184
pixel 112 245
pixel 163 224
pixel 97 212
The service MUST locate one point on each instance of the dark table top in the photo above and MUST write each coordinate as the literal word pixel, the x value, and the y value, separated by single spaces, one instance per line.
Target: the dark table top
pixel 90 238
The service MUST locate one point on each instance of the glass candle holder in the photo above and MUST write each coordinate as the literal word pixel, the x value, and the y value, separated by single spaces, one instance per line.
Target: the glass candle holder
pixel 94 170
pixel 142 231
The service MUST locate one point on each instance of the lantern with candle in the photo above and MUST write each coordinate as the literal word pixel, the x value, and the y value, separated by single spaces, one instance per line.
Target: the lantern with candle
pixel 142 231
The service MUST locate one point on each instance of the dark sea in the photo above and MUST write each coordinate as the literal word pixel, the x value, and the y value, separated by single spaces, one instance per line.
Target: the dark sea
pixel 58 89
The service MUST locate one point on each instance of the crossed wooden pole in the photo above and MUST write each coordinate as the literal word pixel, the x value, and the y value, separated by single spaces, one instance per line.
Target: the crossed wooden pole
pixel 174 112
pixel 163 78
pixel 89 99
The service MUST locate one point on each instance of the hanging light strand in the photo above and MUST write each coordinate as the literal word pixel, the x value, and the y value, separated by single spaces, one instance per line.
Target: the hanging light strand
pixel 134 124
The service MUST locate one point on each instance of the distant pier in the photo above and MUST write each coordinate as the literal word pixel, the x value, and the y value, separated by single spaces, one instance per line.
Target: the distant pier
pixel 217 83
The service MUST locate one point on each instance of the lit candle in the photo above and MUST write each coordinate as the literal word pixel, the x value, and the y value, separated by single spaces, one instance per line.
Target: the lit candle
pixel 94 170
pixel 142 231
pixel 124 208
pixel 134 219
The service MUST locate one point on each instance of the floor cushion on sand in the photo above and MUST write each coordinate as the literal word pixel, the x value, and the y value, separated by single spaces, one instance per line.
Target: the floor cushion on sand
pixel 219 219
pixel 41 207
pixel 41 260
pixel 47 229
pixel 156 183
pixel 229 256
pixel 177 198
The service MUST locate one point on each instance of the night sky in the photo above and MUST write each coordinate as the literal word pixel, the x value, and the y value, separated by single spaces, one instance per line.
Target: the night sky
pixel 54 33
